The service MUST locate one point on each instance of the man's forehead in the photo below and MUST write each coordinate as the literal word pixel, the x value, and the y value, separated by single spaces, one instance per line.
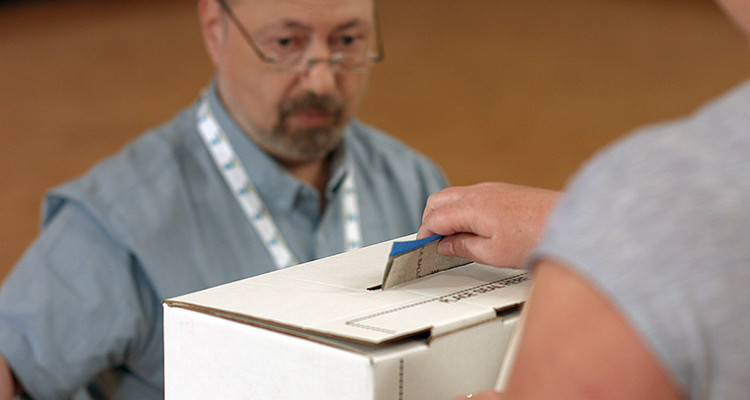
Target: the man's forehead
pixel 306 12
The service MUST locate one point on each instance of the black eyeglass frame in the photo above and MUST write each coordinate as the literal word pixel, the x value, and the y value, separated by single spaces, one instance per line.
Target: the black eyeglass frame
pixel 335 59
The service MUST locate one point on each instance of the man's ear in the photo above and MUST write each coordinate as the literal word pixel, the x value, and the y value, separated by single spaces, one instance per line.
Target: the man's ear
pixel 212 27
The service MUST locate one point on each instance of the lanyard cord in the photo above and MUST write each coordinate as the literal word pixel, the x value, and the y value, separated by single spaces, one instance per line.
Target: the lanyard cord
pixel 255 210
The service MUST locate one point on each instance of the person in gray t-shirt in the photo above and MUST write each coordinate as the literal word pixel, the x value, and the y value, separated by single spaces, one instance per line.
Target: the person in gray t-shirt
pixel 640 279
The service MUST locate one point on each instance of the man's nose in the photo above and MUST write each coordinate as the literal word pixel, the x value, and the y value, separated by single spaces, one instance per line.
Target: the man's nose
pixel 320 75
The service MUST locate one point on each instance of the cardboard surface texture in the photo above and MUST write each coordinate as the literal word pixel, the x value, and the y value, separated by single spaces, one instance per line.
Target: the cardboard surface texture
pixel 319 331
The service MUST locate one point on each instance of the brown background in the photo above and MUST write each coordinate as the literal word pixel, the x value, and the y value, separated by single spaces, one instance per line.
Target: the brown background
pixel 519 91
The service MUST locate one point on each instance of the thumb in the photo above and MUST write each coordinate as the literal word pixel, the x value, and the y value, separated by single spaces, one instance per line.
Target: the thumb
pixel 458 245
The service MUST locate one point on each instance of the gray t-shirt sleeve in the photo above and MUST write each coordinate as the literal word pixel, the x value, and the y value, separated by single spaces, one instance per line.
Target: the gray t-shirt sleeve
pixel 660 223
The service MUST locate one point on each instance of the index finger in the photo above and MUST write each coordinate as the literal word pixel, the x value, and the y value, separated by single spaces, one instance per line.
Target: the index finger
pixel 442 198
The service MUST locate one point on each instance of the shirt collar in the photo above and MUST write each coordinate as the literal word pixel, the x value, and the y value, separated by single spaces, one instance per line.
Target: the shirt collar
pixel 274 184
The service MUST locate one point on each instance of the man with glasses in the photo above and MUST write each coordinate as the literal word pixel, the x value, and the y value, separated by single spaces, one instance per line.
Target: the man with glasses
pixel 266 170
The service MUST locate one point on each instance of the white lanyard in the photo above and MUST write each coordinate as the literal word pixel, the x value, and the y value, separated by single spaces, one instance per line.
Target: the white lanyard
pixel 242 187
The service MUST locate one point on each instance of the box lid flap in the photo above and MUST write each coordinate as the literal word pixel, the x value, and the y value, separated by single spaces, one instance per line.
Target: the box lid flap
pixel 330 296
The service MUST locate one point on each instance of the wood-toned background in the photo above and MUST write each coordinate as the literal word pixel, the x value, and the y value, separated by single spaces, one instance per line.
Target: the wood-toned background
pixel 519 91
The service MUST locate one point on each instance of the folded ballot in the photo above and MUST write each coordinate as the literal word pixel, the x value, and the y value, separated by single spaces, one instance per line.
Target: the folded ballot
pixel 414 259
pixel 327 329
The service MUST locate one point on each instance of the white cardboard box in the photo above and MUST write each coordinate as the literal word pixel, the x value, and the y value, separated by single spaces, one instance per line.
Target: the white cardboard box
pixel 315 331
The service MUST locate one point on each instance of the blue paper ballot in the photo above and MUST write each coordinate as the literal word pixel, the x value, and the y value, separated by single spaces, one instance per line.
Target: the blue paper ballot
pixel 415 259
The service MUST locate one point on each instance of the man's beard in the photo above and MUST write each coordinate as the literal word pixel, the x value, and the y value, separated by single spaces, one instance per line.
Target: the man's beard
pixel 305 144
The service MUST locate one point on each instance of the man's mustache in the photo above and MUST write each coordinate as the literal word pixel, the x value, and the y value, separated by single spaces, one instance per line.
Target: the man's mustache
pixel 311 101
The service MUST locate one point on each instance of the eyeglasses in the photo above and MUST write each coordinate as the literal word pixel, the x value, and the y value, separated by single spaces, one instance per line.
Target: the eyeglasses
pixel 291 56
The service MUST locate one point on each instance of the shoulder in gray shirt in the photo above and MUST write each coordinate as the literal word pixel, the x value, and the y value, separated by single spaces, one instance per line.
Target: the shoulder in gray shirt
pixel 660 223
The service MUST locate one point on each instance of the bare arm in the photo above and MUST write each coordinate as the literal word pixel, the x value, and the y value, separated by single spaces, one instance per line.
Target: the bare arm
pixel 491 223
pixel 577 345
pixel 7 383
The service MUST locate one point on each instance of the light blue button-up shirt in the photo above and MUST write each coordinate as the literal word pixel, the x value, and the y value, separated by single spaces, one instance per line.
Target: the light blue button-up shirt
pixel 82 309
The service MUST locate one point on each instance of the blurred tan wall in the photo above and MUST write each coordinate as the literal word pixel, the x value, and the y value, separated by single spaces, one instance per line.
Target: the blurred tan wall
pixel 519 91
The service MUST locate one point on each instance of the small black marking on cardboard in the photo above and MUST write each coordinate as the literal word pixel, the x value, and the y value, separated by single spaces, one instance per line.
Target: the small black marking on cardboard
pixel 401 379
